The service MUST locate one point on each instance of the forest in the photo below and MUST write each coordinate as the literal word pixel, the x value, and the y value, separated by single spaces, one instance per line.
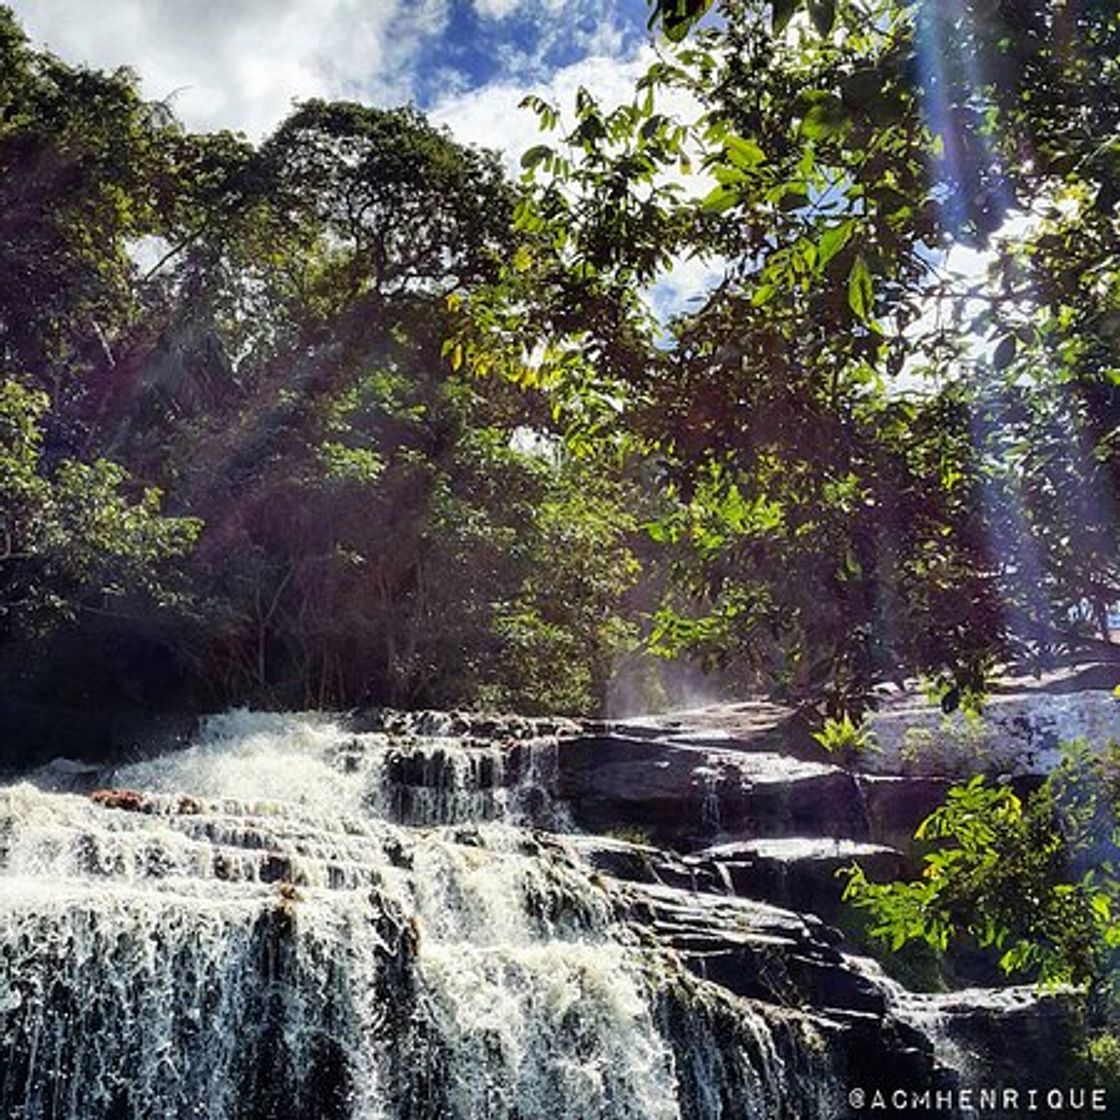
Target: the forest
pixel 348 416
pixel 351 417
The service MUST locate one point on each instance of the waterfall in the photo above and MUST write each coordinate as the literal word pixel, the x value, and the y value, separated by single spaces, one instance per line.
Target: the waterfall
pixel 292 919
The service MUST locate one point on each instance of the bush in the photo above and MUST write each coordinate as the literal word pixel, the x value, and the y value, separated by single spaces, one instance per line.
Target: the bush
pixel 1036 880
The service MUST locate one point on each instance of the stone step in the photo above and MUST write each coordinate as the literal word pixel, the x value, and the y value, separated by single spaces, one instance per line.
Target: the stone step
pixel 799 872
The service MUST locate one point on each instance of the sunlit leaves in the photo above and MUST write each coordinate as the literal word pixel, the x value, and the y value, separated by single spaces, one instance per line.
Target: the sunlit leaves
pixel 861 295
pixel 361 465
pixel 832 240
pixel 743 152
pixel 1007 873
pixel 835 169
pixel 824 118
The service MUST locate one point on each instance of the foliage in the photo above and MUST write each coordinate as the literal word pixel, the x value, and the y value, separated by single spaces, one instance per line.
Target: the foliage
pixel 1035 880
pixel 845 738
pixel 72 538
pixel 397 203
pixel 1102 1058
pixel 78 150
pixel 355 521
pixel 867 467
pixel 442 449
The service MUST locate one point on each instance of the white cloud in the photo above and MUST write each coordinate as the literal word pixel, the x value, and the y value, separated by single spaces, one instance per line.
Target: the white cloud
pixel 496 9
pixel 682 288
pixel 240 65
pixel 490 116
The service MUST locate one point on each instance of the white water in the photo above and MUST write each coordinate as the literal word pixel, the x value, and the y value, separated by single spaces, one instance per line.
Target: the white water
pixel 281 927
pixel 435 778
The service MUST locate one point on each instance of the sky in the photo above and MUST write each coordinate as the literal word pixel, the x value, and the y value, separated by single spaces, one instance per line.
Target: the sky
pixel 240 64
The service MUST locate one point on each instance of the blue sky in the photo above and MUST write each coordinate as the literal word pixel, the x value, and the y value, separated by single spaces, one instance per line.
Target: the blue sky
pixel 522 41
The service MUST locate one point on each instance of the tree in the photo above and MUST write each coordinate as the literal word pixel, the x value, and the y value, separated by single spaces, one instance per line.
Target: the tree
pixel 73 538
pixel 1035 880
pixel 79 153
pixel 853 489
pixel 255 331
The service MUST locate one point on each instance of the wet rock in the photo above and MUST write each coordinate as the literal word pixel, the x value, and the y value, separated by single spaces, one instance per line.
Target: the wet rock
pixel 1012 1036
pixel 686 795
pixel 371 910
pixel 130 800
pixel 641 863
pixel 754 950
pixel 800 873
pixel 748 725
pixel 68 775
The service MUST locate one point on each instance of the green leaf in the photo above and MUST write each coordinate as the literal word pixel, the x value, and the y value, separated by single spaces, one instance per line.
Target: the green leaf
pixel 832 241
pixel 744 153
pixel 782 12
pixel 825 118
pixel 535 155
pixel 1005 352
pixel 793 200
pixel 719 200
pixel 678 16
pixel 861 295
pixel 823 14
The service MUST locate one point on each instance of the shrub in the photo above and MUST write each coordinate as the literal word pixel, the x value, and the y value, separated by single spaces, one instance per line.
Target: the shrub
pixel 845 739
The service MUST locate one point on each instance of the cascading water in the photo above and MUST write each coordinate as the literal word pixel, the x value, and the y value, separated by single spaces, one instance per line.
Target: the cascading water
pixel 292 920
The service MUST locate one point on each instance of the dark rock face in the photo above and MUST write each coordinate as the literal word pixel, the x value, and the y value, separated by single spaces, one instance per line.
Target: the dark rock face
pixel 687 795
pixel 797 872
pixel 758 838
pixel 895 804
pixel 755 950
pixel 996 1031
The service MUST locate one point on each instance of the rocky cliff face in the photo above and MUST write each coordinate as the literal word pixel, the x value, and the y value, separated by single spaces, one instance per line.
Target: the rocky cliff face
pixel 447 916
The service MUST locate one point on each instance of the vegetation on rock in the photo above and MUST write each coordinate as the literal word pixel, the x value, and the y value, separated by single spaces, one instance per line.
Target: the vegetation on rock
pixel 1035 879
